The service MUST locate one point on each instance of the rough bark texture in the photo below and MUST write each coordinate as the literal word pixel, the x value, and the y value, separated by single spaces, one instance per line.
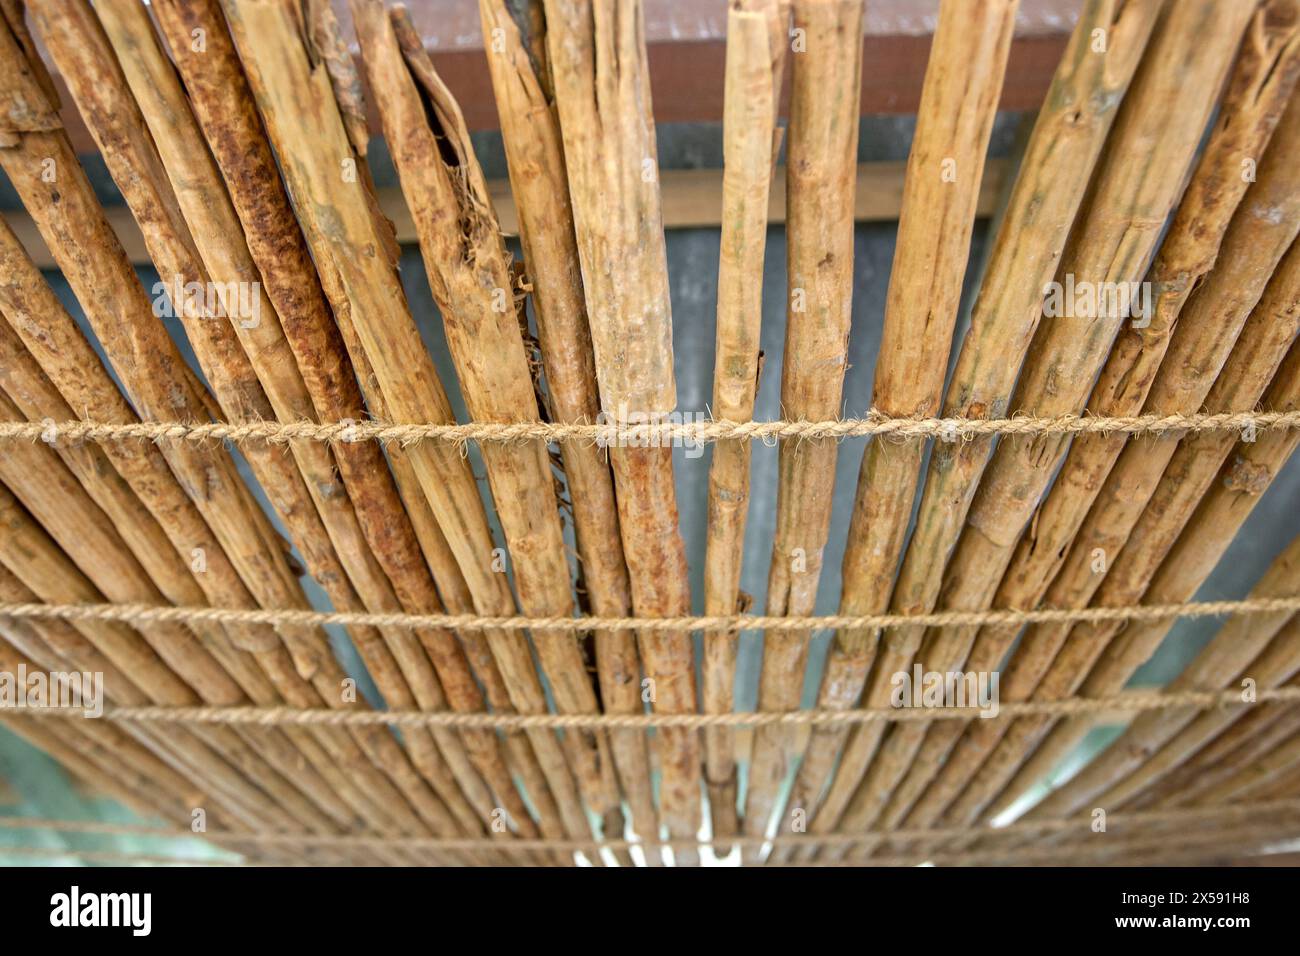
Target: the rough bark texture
pixel 160 386
pixel 596 50
pixel 339 557
pixel 1262 81
pixel 469 272
pixel 945 167
pixel 1007 313
pixel 353 252
pixel 819 266
pixel 1148 497
pixel 1244 648
pixel 535 155
pixel 756 45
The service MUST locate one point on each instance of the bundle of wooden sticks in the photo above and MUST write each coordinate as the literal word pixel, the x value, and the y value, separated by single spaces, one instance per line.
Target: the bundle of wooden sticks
pixel 1144 263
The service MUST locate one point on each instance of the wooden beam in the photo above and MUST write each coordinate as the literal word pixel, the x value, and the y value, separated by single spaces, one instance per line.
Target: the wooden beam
pixel 686 46
pixel 692 198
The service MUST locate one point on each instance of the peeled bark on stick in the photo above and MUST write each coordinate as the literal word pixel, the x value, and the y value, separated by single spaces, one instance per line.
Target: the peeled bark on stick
pixel 64 353
pixel 79 46
pixel 72 224
pixel 1153 489
pixel 756 44
pixel 37 560
pixel 535 156
pixel 352 250
pixel 402 670
pixel 602 91
pixel 819 198
pixel 1205 536
pixel 469 272
pixel 1258 730
pixel 1262 81
pixel 223 107
pixel 1113 244
pixel 1111 241
pixel 945 167
pixel 1242 640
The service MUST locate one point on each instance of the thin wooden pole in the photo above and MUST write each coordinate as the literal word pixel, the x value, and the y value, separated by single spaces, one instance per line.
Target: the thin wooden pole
pixel 64 353
pixel 1163 484
pixel 819 263
pixel 223 107
pixel 1262 81
pixel 468 268
pixel 70 30
pixel 598 64
pixel 945 167
pixel 316 157
pixel 1224 752
pixel 756 44
pixel 1225 506
pixel 396 659
pixel 1234 651
pixel 177 786
pixel 156 378
pixel 37 560
pixel 1028 250
pixel 535 155
pixel 1114 243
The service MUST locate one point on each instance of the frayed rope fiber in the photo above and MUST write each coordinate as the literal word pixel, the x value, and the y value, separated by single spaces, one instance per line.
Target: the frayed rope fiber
pixel 157 614
pixel 658 433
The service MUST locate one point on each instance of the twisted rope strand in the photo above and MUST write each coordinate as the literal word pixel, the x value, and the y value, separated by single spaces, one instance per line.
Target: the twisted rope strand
pixel 656 434
pixel 155 614
pixel 1129 701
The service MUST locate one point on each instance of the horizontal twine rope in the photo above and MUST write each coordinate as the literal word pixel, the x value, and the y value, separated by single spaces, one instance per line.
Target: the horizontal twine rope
pixel 157 614
pixel 656 433
pixel 1129 701
pixel 1284 809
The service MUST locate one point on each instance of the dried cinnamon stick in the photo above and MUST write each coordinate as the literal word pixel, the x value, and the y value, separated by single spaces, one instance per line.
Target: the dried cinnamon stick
pixel 597 56
pixel 1262 81
pixel 756 45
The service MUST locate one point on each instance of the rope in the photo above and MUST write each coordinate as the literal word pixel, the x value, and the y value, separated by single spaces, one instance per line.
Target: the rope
pixel 1284 809
pixel 1129 701
pixel 1215 814
pixel 649 434
pixel 160 614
